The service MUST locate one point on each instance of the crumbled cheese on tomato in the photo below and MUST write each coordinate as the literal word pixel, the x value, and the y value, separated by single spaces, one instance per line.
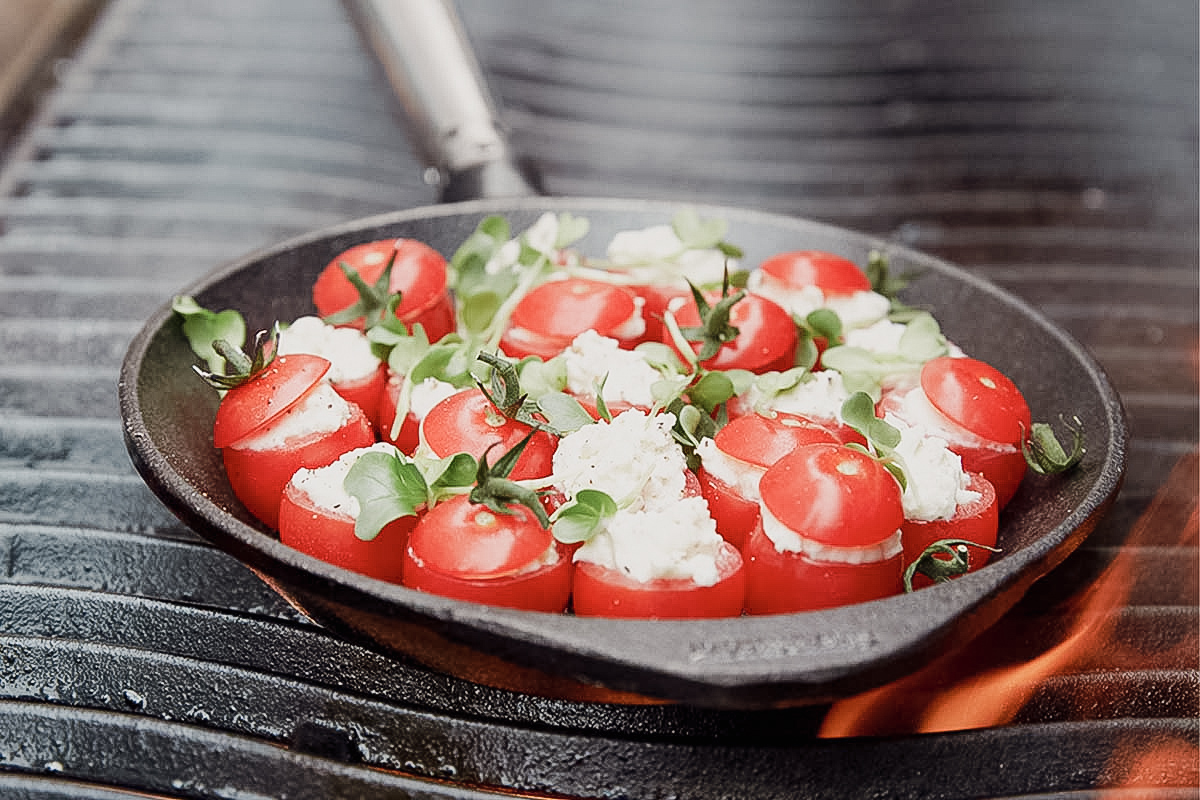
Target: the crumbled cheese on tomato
pixel 541 236
pixel 914 408
pixel 324 486
pixel 733 472
pixel 427 394
pixel 819 396
pixel 633 459
pixel 935 483
pixel 648 253
pixel 626 374
pixel 322 410
pixel 854 310
pixel 787 540
pixel 347 349
pixel 679 540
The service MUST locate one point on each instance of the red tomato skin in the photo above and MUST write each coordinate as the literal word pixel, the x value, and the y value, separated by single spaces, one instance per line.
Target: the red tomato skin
pixel 786 582
pixel 766 339
pixel 408 437
pixel 366 393
pixel 419 274
pixel 849 498
pixel 329 536
pixel 546 320
pixel 977 522
pixel 977 396
pixel 258 477
pixel 451 554
pixel 763 440
pixel 655 300
pixel 603 592
pixel 833 274
pixel 734 514
pixel 1003 466
pixel 250 407
pixel 459 424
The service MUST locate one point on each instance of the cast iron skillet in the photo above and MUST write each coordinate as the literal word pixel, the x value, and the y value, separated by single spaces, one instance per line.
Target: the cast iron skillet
pixel 746 662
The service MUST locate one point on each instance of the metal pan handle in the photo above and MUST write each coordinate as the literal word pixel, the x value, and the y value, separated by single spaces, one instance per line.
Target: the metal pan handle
pixel 449 111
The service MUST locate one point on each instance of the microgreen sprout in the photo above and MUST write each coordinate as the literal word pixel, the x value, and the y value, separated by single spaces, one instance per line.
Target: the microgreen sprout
pixel 943 560
pixel 1046 455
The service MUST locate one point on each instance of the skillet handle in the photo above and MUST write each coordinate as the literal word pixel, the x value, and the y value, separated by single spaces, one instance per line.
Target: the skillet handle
pixel 451 117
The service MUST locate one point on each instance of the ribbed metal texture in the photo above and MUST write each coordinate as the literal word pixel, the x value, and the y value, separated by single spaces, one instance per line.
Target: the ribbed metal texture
pixel 1049 146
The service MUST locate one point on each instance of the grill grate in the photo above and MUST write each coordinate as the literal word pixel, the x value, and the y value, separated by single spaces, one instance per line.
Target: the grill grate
pixel 1051 147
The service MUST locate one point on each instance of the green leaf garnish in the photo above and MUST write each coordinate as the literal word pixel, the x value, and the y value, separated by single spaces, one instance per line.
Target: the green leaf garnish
pixel 943 560
pixel 858 411
pixel 202 327
pixel 387 488
pixel 1046 455
pixel 584 517
pixel 703 234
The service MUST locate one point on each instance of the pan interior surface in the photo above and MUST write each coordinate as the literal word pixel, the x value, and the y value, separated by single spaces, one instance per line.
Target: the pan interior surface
pixel 745 662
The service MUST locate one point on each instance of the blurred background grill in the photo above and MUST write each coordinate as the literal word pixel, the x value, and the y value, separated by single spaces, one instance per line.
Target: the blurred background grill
pixel 1048 146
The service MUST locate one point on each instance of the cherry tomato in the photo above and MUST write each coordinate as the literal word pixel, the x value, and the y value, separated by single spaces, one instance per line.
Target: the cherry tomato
pixel 846 517
pixel 466 551
pixel 262 399
pixel 367 393
pixel 466 422
pixel 329 536
pixel 752 442
pixel 830 273
pixel 408 436
pixel 766 339
pixel 978 397
pixel 655 299
pixel 601 591
pixel 978 521
pixel 547 319
pixel 258 477
pixel 418 273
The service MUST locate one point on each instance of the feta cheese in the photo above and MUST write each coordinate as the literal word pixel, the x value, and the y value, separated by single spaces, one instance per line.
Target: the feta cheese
pixel 819 396
pixel 427 394
pixel 936 484
pixel 855 310
pixel 881 338
pixel 347 349
pixel 626 374
pixel 787 540
pixel 679 540
pixel 656 255
pixel 324 485
pixel 633 459
pixel 322 410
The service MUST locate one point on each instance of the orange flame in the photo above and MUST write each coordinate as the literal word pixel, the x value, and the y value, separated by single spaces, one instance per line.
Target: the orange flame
pixel 992 680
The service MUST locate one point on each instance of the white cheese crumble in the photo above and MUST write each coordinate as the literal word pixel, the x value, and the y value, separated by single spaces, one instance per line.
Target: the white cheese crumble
pixel 787 540
pixel 647 253
pixel 427 394
pixel 541 236
pixel 347 349
pixel 322 410
pixel 914 408
pixel 743 477
pixel 626 374
pixel 855 310
pixel 819 396
pixel 633 459
pixel 679 540
pixel 935 483
pixel 324 485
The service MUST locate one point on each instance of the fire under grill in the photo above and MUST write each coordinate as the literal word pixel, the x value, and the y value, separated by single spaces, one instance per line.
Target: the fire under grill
pixel 1049 147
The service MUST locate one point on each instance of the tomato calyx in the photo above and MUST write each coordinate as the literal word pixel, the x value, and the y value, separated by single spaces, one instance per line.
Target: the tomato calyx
pixel 375 302
pixel 554 412
pixel 1043 452
pixel 241 367
pixel 715 330
pixel 943 561
pixel 495 491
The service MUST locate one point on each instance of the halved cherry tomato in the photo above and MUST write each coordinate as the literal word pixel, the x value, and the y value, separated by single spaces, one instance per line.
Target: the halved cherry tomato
pixel 752 442
pixel 418 273
pixel 262 399
pixel 601 591
pixel 978 521
pixel 466 551
pixel 977 396
pixel 842 507
pixel 766 339
pixel 467 422
pixel 329 536
pixel 547 319
pixel 831 273
pixel 259 476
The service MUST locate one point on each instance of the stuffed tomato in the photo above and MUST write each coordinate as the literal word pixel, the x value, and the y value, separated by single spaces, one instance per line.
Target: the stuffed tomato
pixel 545 321
pixel 318 516
pixel 281 419
pixel 835 543
pixel 355 372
